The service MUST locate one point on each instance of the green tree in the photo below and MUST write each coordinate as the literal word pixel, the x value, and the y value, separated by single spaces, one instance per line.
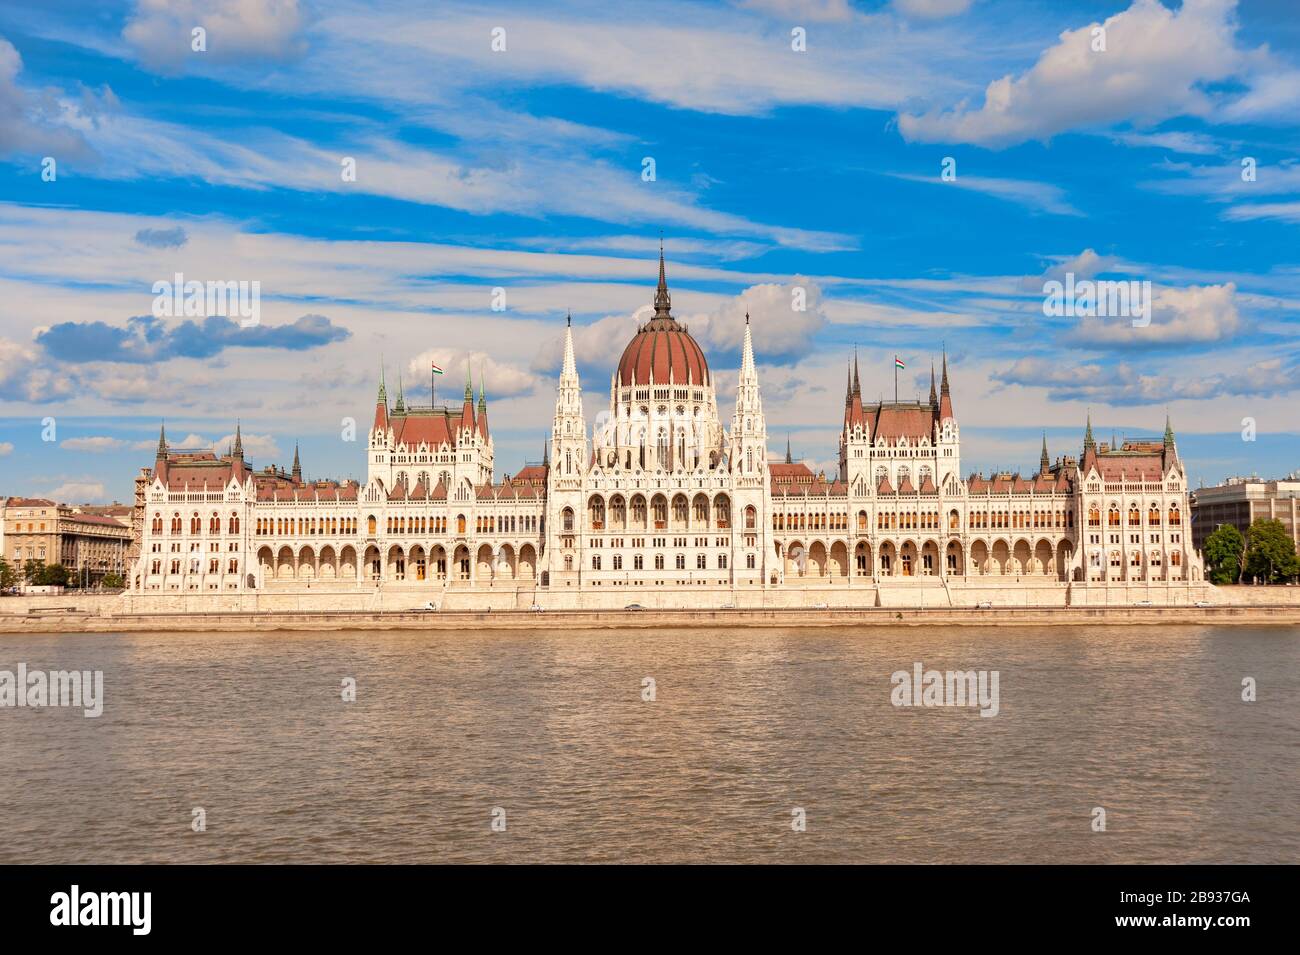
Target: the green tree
pixel 112 581
pixel 33 570
pixel 8 574
pixel 1270 552
pixel 55 575
pixel 1225 554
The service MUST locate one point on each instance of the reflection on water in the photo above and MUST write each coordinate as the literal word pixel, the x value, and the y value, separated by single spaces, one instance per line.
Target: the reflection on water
pixel 747 725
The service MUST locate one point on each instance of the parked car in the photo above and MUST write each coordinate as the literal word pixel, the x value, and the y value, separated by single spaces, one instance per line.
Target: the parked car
pixel 727 607
pixel 429 605
pixel 536 608
pixel 634 607
pixel 1204 603
pixel 820 607
pixel 984 605
pixel 1142 603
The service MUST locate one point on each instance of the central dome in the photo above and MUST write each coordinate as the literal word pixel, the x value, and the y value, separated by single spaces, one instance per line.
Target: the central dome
pixel 662 348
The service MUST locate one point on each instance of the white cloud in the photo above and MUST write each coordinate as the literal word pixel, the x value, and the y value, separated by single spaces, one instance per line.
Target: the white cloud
pixel 259 446
pixel 190 442
pixel 931 9
pixel 160 30
pixel 96 444
pixel 799 11
pixel 1205 313
pixel 26 117
pixel 1155 65
pixel 1039 196
pixel 1178 142
pixel 1279 211
pixel 6 447
pixel 502 380
pixel 84 491
pixel 779 331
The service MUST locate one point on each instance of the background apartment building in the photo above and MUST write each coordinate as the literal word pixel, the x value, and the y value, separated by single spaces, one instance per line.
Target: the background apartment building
pixel 1241 501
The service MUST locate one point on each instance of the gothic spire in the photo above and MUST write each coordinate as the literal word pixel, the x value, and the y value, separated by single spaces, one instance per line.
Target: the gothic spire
pixel 382 397
pixel 788 458
pixel 1044 464
pixel 469 383
pixel 297 465
pixel 857 382
pixel 162 441
pixel 662 299
pixel 1169 432
pixel 401 405
pixel 943 387
pixel 1088 442
pixel 934 399
pixel 570 368
pixel 238 450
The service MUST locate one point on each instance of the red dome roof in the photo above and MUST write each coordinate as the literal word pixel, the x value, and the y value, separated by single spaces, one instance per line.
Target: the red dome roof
pixel 662 347
pixel 667 353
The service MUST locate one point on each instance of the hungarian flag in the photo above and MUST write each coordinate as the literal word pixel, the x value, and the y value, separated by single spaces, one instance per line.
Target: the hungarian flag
pixel 898 362
pixel 437 370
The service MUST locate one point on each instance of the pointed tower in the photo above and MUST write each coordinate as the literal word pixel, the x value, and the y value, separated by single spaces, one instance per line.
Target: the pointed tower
pixel 297 465
pixel 663 301
pixel 748 453
pixel 381 404
pixel 160 458
pixel 1044 463
pixel 237 456
pixel 482 420
pixel 1088 443
pixel 566 480
pixel 568 435
pixel 934 398
pixel 400 407
pixel 855 439
pixel 789 459
pixel 1171 451
pixel 948 435
pixel 467 425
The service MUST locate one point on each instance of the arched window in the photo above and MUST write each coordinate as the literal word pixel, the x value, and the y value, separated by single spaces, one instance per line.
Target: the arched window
pixel 370 525
pixel 156 526
pixel 1153 516
pixel 233 523
pixel 1134 516
pixel 1112 516
pixel 567 518
pixel 1094 516
pixel 460 524
pixel 196 523
pixel 1175 518
pixel 751 518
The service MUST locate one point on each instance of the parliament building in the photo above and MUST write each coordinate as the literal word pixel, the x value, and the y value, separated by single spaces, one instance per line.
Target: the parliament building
pixel 659 503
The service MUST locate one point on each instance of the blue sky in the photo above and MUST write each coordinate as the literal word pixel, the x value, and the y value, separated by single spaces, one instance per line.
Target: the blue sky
pixel 522 169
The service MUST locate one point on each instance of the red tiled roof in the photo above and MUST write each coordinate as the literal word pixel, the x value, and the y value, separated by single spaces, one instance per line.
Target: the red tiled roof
pixel 895 421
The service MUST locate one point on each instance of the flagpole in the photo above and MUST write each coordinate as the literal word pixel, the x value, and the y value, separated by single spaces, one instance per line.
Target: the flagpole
pixel 433 387
pixel 895 379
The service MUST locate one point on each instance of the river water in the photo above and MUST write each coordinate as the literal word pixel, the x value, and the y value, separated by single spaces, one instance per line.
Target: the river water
pixel 549 733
